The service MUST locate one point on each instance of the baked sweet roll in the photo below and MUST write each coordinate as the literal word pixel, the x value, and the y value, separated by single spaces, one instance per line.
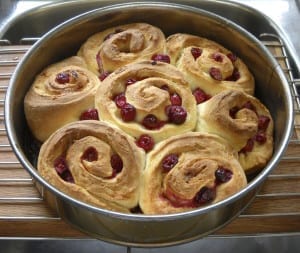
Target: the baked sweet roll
pixel 115 47
pixel 63 92
pixel 149 100
pixel 244 122
pixel 190 171
pixel 94 162
pixel 208 66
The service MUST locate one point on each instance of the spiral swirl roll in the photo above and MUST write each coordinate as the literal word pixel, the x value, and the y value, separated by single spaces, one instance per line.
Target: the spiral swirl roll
pixel 189 171
pixel 244 122
pixel 147 98
pixel 59 95
pixel 208 65
pixel 94 163
pixel 112 48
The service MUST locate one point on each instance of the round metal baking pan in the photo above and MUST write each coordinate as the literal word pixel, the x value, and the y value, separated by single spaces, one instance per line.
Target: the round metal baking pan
pixel 137 229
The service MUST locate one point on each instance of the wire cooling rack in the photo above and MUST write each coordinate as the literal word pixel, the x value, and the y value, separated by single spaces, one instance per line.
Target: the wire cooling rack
pixel 25 213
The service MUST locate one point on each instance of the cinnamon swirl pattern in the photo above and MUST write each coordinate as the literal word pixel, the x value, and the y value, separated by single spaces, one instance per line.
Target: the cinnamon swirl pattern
pixel 207 66
pixel 60 94
pixel 94 163
pixel 244 122
pixel 189 171
pixel 112 48
pixel 147 98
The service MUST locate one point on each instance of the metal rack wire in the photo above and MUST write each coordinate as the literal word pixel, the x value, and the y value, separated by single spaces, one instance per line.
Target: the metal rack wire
pixel 17 188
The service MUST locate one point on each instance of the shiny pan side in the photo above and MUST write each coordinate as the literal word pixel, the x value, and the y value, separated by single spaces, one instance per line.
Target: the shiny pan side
pixel 158 230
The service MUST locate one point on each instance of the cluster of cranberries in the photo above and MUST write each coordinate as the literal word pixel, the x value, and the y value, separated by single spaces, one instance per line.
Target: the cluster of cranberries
pixel 205 194
pixel 90 155
pixel 175 112
pixel 69 76
pixel 263 123
pixel 215 72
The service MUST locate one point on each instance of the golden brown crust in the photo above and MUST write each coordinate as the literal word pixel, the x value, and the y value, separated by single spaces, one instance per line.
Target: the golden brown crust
pixel 114 47
pixel 233 72
pixel 94 180
pixel 236 116
pixel 148 96
pixel 50 104
pixel 199 156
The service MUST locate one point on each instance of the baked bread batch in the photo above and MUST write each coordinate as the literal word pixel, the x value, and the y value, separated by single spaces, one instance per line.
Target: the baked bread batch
pixel 137 122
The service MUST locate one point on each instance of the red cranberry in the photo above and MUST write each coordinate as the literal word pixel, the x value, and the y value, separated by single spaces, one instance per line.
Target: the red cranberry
pixel 161 57
pixel 263 122
pixel 90 154
pixel 223 175
pixel 128 112
pixel 196 52
pixel 104 75
pixel 176 114
pixel 130 81
pixel 169 162
pixel 205 195
pixel 232 57
pixel 248 147
pixel 217 57
pixel 215 73
pixel 62 78
pixel 116 163
pixel 200 95
pixel 89 114
pixel 145 142
pixel 260 137
pixel 152 122
pixel 120 100
pixel 175 99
